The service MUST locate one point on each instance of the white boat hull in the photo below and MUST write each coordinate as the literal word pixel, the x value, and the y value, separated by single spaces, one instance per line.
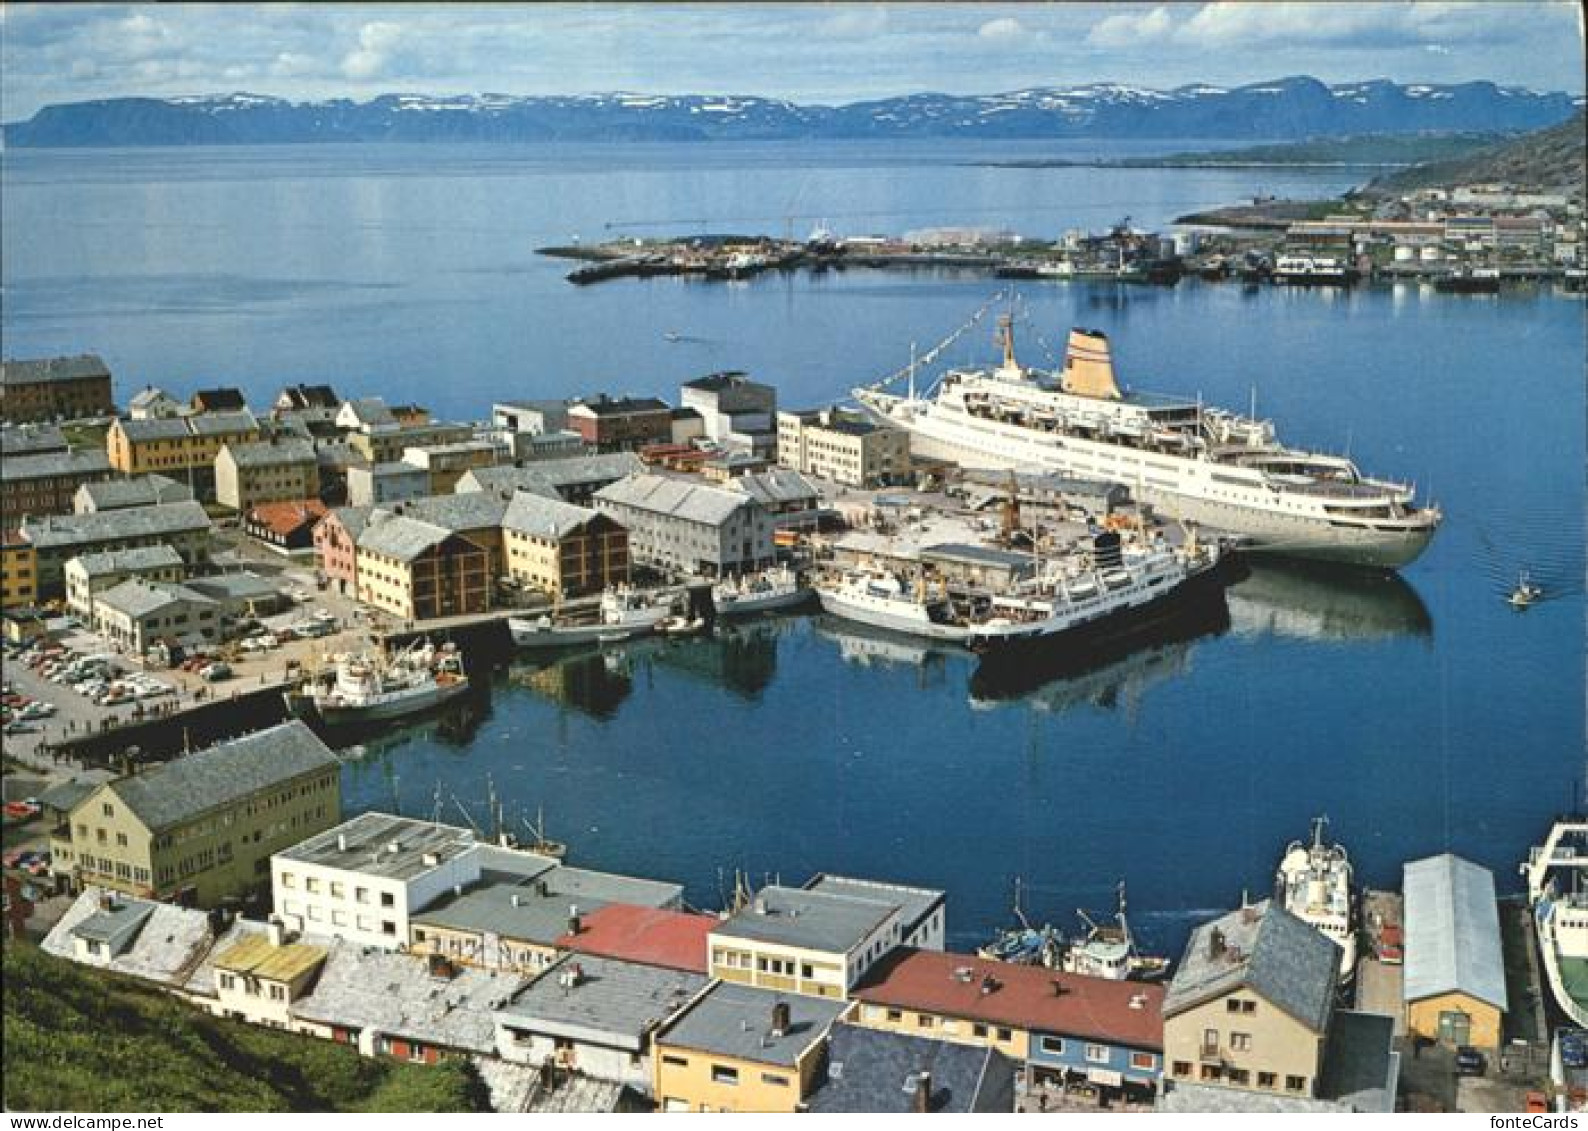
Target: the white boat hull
pixel 838 606
pixel 394 706
pixel 751 603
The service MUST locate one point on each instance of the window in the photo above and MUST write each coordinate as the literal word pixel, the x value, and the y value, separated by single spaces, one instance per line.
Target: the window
pixel 722 1074
pixel 1267 1080
pixel 979 1029
pixel 807 970
pixel 1232 1005
pixel 121 840
pixel 1295 1083
pixel 1248 1007
pixel 361 894
pixel 925 1020
pixel 387 899
pixel 1005 1034
pixel 1097 1054
pixel 109 809
pixel 336 890
pixel 1182 1068
pixel 895 1015
pixel 1144 1061
pixel 1239 1076
pixel 1054 1045
pixel 774 1079
pixel 387 927
pixel 1241 1042
pixel 675 1061
pixel 227 981
pixel 312 885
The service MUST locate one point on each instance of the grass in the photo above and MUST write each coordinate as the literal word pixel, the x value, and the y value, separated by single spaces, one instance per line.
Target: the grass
pixel 78 1039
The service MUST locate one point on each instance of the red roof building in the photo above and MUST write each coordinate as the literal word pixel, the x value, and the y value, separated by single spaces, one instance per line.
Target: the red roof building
pixel 647 935
pixel 287 525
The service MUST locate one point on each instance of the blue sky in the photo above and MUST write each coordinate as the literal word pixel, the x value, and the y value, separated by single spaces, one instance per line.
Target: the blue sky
pixel 805 52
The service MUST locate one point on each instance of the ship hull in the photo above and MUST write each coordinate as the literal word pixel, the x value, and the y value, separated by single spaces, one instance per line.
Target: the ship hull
pixel 758 603
pixel 837 605
pixel 1266 531
pixel 396 707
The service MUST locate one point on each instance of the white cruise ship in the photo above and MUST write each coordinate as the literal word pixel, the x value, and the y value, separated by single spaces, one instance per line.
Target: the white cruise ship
pixel 1197 464
pixel 1556 889
pixel 1314 884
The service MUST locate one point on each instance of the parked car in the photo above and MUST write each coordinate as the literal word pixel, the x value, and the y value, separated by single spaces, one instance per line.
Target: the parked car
pixel 216 672
pixel 1574 1048
pixel 1470 1062
pixel 1537 1102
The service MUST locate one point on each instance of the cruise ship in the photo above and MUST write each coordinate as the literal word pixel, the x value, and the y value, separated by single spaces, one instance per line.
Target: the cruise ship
pixel 1198 464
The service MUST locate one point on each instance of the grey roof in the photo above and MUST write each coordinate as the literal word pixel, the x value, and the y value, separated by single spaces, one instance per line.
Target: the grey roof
pixel 1216 1099
pixel 534 906
pixel 395 994
pixel 816 920
pixel 915 904
pixel 734 1020
pixel 64 796
pixel 530 513
pixel 689 502
pixel 398 536
pixel 117 925
pixel 150 395
pixel 139 491
pixel 223 423
pixel 33 371
pixel 551 475
pixel 873 1070
pixel 226 398
pixel 234 586
pixel 976 555
pixel 354 519
pixel 1263 948
pixel 170 940
pixel 1452 931
pixel 51 531
pixel 139 598
pixel 268 453
pixel 1360 1064
pixel 610 1003
pixel 309 396
pixel 338 454
pixel 474 510
pixel 135 560
pixel 164 428
pixel 368 839
pixel 368 411
pixel 714 382
pixel 776 485
pixel 185 787
pixel 396 468
pixel 621 406
pixel 31 439
pixel 88 461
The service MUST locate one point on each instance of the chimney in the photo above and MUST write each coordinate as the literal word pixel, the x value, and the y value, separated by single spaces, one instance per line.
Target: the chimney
pixel 923 1093
pixel 780 1019
pixel 276 931
pixel 515 899
pixel 574 923
pixel 1216 943
pixel 341 842
pixel 1059 988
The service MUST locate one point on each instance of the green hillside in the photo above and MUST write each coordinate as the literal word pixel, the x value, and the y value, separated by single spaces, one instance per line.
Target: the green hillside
pixel 1548 159
pixel 80 1040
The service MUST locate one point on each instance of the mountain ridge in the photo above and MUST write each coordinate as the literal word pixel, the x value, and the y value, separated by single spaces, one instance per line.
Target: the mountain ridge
pixel 1294 107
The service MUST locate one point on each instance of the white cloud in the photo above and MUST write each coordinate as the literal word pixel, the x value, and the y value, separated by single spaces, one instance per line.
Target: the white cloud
pixel 377 42
pixel 855 23
pixel 290 64
pixel 1131 29
pixel 1003 29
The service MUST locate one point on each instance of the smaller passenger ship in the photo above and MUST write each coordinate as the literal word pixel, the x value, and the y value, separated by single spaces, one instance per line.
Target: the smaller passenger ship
pixel 1314 884
pixel 370 688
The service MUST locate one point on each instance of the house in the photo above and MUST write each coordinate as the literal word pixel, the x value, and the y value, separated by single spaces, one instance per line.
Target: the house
pixel 1453 979
pixel 19 571
pixel 89 575
pixel 336 546
pixel 386 483
pixel 820 940
pixel 185 527
pixel 218 400
pixel 445 464
pixel 416 570
pixel 574 480
pixel 874 1071
pixel 48 483
pixel 300 398
pixel 1250 1003
pixel 54 388
pixel 690 527
pixel 31 439
pixel 135 937
pixel 386 443
pixel 135 613
pixel 530 418
pixel 736 412
pixel 738 1048
pixel 267 471
pixel 793 501
pixel 651 936
pixel 844 447
pixel 626 423
pixel 1059 1028
pixel 286 526
pixel 202 827
pixel 186 446
pixel 259 976
pixel 154 404
pixel 560 549
pixel 119 494
pixel 595 1016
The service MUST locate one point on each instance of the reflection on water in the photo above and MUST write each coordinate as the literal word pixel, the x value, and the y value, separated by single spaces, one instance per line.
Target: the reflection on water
pixel 741 658
pixel 594 682
pixel 1295 600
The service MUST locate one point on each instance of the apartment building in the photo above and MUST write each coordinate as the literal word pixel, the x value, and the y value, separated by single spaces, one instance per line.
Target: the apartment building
pixel 560 549
pixel 89 575
pixel 689 527
pixel 626 423
pixel 47 483
pixel 843 447
pixel 268 471
pixel 135 613
pixel 185 527
pixel 121 494
pixel 19 571
pixel 54 388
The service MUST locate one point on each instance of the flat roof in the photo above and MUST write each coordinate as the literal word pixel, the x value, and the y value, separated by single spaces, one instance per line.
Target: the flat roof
pixel 653 936
pixel 736 1021
pixel 915 903
pixel 364 845
pixel 257 956
pixel 601 1000
pixel 535 905
pixel 815 920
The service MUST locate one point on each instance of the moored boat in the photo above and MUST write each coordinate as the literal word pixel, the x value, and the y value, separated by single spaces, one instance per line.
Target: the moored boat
pixel 623 613
pixel 1109 951
pixel 369 688
pixel 771 589
pixel 1314 884
pixel 1559 899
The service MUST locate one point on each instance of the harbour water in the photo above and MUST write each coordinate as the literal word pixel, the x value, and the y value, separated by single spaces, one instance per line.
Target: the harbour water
pixel 1420 713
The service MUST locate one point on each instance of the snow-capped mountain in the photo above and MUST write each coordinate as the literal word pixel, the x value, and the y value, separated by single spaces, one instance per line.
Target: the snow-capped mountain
pixel 1294 107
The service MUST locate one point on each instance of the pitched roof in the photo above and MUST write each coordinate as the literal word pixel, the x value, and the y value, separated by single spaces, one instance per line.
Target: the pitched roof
pixel 102 526
pixel 715 382
pixel 1023 997
pixel 161 941
pixel 223 423
pixel 138 598
pixel 135 560
pixel 52 369
pixel 366 411
pixel 308 396
pixel 776 485
pixel 609 1002
pixel 473 510
pixel 873 1070
pixel 139 491
pixel 31 439
pixel 549 476
pixel 270 453
pixel 352 519
pixel 219 400
pixel 648 935
pixel 690 502
pixel 284 518
pixel 145 431
pixel 398 536
pixel 530 513
pixel 90 461
pixel 812 919
pixel 150 395
pixel 1452 931
pixel 185 787
pixel 736 1021
pixel 1263 948
pixel 258 957
pixel 621 406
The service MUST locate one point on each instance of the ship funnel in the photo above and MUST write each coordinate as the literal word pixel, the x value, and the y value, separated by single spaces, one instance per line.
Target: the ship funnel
pixel 1088 368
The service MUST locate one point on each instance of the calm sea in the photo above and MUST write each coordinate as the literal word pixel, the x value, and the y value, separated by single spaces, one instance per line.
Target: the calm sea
pixel 1420 714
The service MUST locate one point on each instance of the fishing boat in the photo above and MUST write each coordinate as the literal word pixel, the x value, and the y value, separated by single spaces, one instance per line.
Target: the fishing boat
pixel 680 625
pixel 369 688
pixel 1314 884
pixel 1526 594
pixel 624 613
pixel 777 588
pixel 1109 951
pixel 1023 944
pixel 1559 899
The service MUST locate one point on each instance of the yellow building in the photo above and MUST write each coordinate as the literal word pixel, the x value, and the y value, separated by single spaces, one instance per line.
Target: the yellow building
pixel 183 445
pixel 843 447
pixel 561 549
pixel 1251 1002
pixel 202 827
pixel 447 463
pixel 387 443
pixel 743 1049
pixel 1453 980
pixel 259 977
pixel 821 939
pixel 417 570
pixel 19 576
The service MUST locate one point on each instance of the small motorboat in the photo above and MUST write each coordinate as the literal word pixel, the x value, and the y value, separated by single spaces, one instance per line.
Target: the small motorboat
pixel 1525 594
pixel 681 626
